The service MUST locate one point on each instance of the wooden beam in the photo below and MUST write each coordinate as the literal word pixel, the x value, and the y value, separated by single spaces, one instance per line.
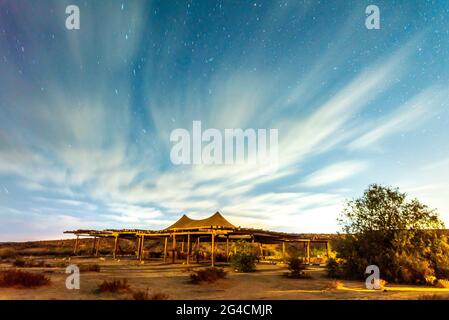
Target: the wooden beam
pixel 165 249
pixel 94 243
pixel 327 249
pixel 213 249
pixel 188 248
pixel 182 246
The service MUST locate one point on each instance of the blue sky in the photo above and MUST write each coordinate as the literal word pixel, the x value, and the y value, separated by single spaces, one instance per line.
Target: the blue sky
pixel 86 115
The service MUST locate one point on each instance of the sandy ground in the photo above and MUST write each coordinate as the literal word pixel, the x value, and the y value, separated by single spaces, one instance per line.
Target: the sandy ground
pixel 268 282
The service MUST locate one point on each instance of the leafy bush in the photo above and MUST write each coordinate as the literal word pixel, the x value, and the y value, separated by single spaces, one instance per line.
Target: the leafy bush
pixel 398 235
pixel 114 286
pixel 22 279
pixel 207 275
pixel 146 295
pixel 244 260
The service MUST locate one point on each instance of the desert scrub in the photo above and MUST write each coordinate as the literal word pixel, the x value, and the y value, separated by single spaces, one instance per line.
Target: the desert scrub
pixel 89 267
pixel 334 285
pixel 114 286
pixel 6 253
pixel 146 295
pixel 442 283
pixel 20 263
pixel 207 275
pixel 244 260
pixel 296 266
pixel 433 297
pixel 22 279
pixel 334 269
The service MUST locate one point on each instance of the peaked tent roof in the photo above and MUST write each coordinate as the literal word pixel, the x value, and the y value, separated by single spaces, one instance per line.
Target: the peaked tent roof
pixel 216 220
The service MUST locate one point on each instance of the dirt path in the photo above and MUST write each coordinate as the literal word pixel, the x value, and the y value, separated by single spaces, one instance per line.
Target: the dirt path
pixel 267 282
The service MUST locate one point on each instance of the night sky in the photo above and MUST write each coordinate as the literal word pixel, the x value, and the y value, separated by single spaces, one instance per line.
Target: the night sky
pixel 86 115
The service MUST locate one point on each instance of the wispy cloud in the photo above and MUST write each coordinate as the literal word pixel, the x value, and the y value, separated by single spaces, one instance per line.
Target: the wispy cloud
pixel 84 135
pixel 334 173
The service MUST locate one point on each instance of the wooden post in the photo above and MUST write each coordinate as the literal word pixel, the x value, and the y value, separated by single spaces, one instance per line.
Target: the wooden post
pixel 75 249
pixel 308 252
pixel 188 248
pixel 94 243
pixel 174 249
pixel 165 249
pixel 138 248
pixel 283 250
pixel 227 248
pixel 182 246
pixel 142 247
pixel 98 246
pixel 213 249
pixel 198 250
pixel 327 249
pixel 115 246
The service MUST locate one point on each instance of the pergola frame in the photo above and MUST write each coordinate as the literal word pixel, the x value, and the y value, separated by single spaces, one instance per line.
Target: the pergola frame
pixel 195 234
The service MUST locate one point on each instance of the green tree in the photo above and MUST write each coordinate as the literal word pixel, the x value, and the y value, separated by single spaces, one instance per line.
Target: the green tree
pixel 401 236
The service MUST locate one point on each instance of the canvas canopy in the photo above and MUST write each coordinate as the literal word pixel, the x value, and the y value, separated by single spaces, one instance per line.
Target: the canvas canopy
pixel 215 221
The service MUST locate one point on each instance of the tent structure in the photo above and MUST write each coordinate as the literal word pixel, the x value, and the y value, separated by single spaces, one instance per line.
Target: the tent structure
pixel 214 229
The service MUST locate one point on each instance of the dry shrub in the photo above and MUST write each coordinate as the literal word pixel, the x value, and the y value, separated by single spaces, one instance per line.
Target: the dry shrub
pixel 334 268
pixel 442 283
pixel 89 267
pixel 6 253
pixel 383 283
pixel 146 295
pixel 430 280
pixel 22 279
pixel 207 275
pixel 334 285
pixel 296 267
pixel 20 263
pixel 114 286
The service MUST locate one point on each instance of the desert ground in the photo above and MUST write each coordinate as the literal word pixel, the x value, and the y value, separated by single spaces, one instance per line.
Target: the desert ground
pixel 173 280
